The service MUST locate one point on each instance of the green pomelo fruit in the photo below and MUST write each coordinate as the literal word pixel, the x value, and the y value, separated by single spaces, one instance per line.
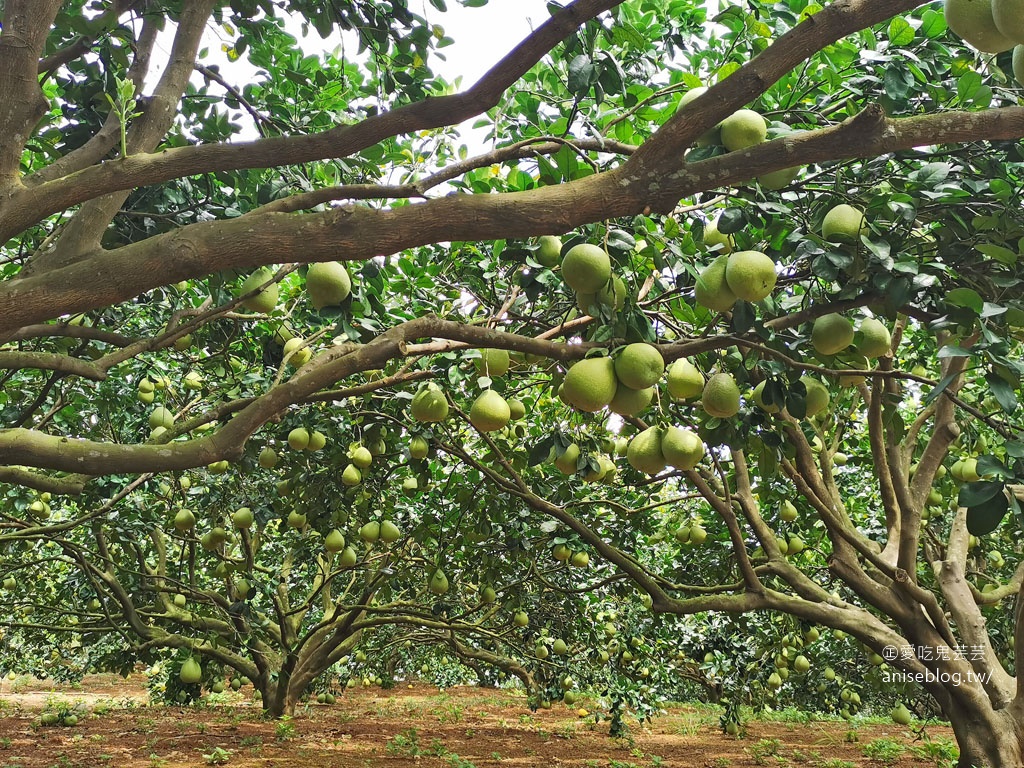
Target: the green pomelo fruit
pixel 298 438
pixel 268 458
pixel 328 284
pixel 586 268
pixel 758 397
pixel 266 299
pixel 242 518
pixel 721 396
pixel 715 240
pixel 579 559
pixel 712 290
pixel 351 476
pixel 429 404
pixel 549 251
pixel 561 553
pixel 184 520
pixel 874 338
pixel 817 396
pixel 389 532
pixel 973 20
pixel 488 595
pixel 559 648
pixel 161 417
pixel 362 457
pixel 901 715
pixel 438 583
pixel 639 365
pixel 492 363
pixel 743 128
pixel 681 448
pixel 489 412
pixel 1008 16
pixel 613 293
pixel 788 513
pixel 685 381
pixel 521 619
pixel 844 223
pixel 831 333
pixel 566 463
pixel 190 673
pixel 1018 64
pixel 334 541
pixel 644 452
pixel 750 275
pixel 348 558
pixel 776 180
pixel 516 409
pixel 629 402
pixel 590 384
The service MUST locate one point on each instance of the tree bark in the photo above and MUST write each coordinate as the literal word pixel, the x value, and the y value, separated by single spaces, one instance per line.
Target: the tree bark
pixel 988 739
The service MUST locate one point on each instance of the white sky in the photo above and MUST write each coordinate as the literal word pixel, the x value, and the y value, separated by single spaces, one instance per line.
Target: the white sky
pixel 482 37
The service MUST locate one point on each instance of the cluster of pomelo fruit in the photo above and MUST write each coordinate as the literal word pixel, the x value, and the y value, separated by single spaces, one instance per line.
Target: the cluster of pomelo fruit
pixel 991 26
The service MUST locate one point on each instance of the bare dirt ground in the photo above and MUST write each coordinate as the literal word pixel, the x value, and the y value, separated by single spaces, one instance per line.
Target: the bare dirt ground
pixel 418 726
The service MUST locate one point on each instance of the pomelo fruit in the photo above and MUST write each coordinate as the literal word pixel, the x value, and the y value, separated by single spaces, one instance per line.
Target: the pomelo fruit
pixel 549 251
pixel 161 417
pixel 613 293
pixel 901 715
pixel 831 333
pixel 300 353
pixel 873 339
pixel 1008 16
pixel 712 290
pixel 721 396
pixel 561 553
pixel 242 518
pixel 750 274
pixel 516 409
pixel 758 397
pixel 351 476
pixel 780 179
pixel 681 448
pixel 328 284
pixel 418 447
pixel 629 402
pixel 788 511
pixel 389 532
pixel 348 558
pixel 579 559
pixel 184 520
pixel 685 381
pixel 438 583
pixel 370 532
pixel 492 362
pixel 817 396
pixel 974 21
pixel 298 438
pixel 715 240
pixel 429 404
pixel 586 268
pixel 566 463
pixel 644 452
pixel 639 365
pixel 268 458
pixel 362 457
pixel 317 440
pixel 1018 64
pixel 559 648
pixel 334 541
pixel 521 619
pixel 190 672
pixel 489 412
pixel 266 299
pixel 743 128
pixel 590 384
pixel 844 223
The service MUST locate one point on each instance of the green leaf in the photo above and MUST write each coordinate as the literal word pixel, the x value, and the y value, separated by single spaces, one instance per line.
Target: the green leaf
pixel 900 32
pixel 973 494
pixel 1003 392
pixel 933 24
pixel 965 297
pixel 999 253
pixel 582 74
pixel 985 518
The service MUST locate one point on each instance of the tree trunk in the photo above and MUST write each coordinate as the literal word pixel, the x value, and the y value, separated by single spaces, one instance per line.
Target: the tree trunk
pixel 988 739
pixel 278 700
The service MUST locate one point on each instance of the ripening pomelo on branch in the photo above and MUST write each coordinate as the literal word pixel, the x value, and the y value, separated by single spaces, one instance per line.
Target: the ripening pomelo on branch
pixel 831 334
pixel 492 363
pixel 438 583
pixel 758 397
pixel 721 396
pixel 715 240
pixel 685 381
pixel 190 673
pixel 266 299
pixel 974 21
pixel 590 384
pixel 489 412
pixel 328 284
pixel 817 396
pixel 613 294
pixel 681 448
pixel 644 452
pixel 1009 18
pixel 586 268
pixel 780 179
pixel 712 290
pixel 429 404
pixel 750 274
pixel 873 339
pixel 549 251
pixel 639 365
pixel 844 224
pixel 567 462
pixel 1018 64
pixel 629 402
pixel 743 128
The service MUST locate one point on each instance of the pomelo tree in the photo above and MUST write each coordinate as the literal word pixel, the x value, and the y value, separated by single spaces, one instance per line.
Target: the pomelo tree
pixel 311 324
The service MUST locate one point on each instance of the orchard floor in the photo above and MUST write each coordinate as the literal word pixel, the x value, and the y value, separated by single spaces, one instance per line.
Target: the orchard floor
pixel 418 726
